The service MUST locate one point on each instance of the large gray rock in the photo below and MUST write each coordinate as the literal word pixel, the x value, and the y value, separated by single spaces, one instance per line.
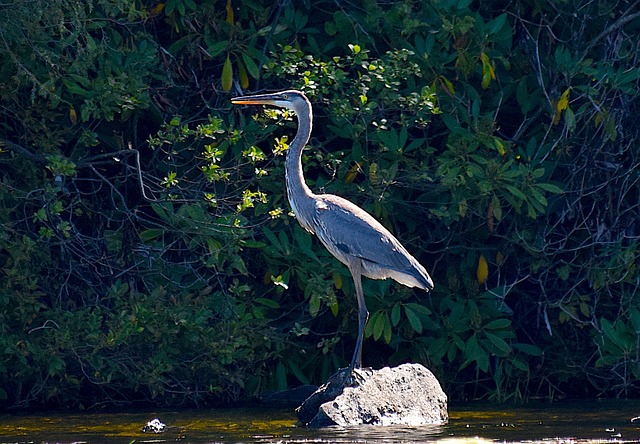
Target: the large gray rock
pixel 408 394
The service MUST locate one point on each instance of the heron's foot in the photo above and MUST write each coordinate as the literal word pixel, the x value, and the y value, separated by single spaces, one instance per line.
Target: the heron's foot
pixel 350 377
pixel 358 376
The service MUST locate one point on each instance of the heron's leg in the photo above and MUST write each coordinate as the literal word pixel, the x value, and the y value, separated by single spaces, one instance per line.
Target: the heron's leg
pixel 363 315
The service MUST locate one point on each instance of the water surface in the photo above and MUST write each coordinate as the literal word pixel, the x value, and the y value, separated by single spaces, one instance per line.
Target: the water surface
pixel 567 422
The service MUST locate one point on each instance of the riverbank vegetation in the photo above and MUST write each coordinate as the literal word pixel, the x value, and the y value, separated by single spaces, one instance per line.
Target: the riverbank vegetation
pixel 148 253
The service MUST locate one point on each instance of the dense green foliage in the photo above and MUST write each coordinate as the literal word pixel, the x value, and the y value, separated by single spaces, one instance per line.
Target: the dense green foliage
pixel 147 251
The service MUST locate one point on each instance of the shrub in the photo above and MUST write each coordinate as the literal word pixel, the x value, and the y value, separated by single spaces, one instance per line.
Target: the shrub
pixel 148 253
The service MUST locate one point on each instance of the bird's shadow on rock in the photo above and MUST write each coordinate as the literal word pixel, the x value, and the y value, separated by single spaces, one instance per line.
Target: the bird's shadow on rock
pixel 330 390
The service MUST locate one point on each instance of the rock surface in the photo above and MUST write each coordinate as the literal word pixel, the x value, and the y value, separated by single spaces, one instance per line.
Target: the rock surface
pixel 408 394
pixel 154 426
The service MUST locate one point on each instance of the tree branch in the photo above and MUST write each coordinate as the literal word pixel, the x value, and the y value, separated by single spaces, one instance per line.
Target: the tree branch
pixel 22 151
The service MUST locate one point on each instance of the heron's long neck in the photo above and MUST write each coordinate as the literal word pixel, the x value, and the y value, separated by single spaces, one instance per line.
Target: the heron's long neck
pixel 300 195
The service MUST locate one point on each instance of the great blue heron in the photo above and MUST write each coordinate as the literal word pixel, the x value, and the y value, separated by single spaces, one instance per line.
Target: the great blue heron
pixel 349 233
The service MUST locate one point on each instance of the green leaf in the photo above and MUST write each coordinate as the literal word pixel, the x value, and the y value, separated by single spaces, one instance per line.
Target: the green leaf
pixel 56 366
pixel 303 239
pixel 451 122
pixel 414 144
pixel 452 352
pixel 267 302
pixel 501 347
pixel 179 44
pixel 562 56
pixel 634 316
pixel 539 198
pixel 161 212
pixel 418 308
pixel 495 25
pixel 314 305
pixel 611 333
pixel 529 349
pixel 217 48
pixel 448 84
pixel 570 119
pixel 438 347
pixel 76 89
pixel 252 244
pixel 345 131
pixel 270 236
pixel 496 208
pixel 563 272
pixel 498 324
pixel 402 138
pixel 150 234
pixel 284 242
pixel 520 365
pixel 378 325
pixel 474 353
pixel 549 187
pixel 387 330
pixel 281 376
pixel 523 97
pixel 252 68
pixel 516 192
pixel 389 139
pixel 297 372
pixel 395 315
pixel 413 319
pixel 482 359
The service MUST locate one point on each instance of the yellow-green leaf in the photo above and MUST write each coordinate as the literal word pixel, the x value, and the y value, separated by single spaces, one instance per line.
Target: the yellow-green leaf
pixel 230 18
pixel 448 85
pixel 482 273
pixel 337 281
pixel 157 9
pixel 314 305
pixel 488 72
pixel 563 103
pixel 353 172
pixel 334 308
pixel 227 75
pixel 242 75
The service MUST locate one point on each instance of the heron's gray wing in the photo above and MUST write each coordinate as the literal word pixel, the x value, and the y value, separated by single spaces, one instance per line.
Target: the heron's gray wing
pixel 346 229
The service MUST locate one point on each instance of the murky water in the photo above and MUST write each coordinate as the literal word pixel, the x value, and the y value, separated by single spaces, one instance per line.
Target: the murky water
pixel 568 422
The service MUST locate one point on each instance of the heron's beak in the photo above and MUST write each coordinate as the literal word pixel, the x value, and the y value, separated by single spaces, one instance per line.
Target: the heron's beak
pixel 260 99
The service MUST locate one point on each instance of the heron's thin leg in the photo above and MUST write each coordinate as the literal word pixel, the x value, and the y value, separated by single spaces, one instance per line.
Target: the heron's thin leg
pixel 363 315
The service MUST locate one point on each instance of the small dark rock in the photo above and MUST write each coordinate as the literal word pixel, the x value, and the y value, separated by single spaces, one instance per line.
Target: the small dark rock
pixel 408 394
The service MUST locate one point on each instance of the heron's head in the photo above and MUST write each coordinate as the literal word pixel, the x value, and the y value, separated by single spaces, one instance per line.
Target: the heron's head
pixel 290 99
